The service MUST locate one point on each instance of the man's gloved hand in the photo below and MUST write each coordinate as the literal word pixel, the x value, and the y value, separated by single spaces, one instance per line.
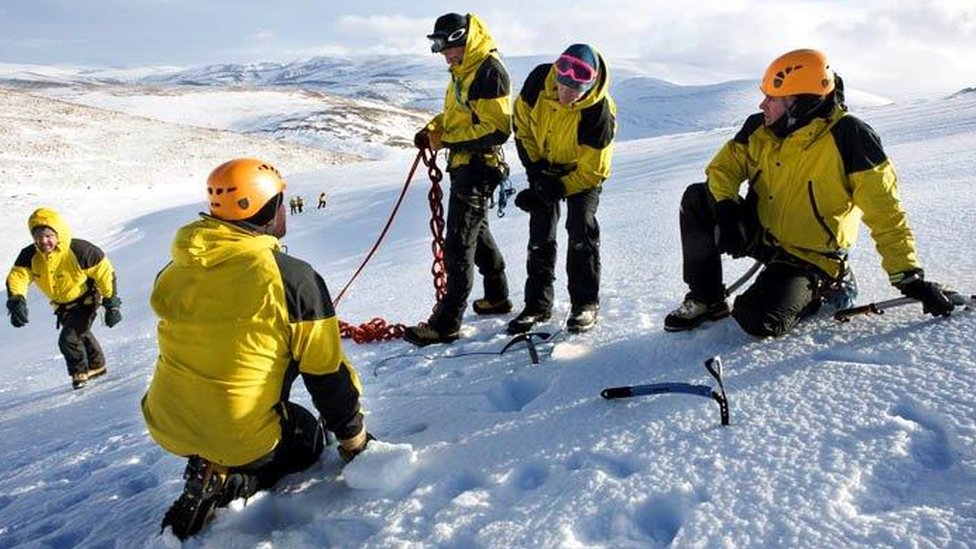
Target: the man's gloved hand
pixel 550 187
pixel 113 311
pixel 420 138
pixel 428 138
pixel 535 170
pixel 17 309
pixel 352 447
pixel 528 200
pixel 934 301
pixel 730 234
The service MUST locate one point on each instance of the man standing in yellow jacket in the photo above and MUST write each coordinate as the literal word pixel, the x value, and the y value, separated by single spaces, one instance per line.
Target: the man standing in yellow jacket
pixel 565 122
pixel 76 276
pixel 476 121
pixel 814 172
pixel 239 320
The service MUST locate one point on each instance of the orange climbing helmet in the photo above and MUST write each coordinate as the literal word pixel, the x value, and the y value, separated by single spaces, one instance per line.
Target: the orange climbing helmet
pixel 239 188
pixel 798 72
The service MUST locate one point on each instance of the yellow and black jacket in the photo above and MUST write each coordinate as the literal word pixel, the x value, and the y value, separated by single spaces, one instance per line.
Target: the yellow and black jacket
pixel 813 187
pixel 238 321
pixel 477 116
pixel 68 273
pixel 577 139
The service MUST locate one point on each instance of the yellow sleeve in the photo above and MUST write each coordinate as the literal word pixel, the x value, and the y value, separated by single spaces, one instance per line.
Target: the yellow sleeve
pixel 876 194
pixel 591 170
pixel 18 281
pixel 104 276
pixel 524 138
pixel 726 172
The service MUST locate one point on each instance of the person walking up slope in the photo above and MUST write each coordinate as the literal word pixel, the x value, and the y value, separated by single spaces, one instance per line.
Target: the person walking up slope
pixel 565 122
pixel 475 123
pixel 813 172
pixel 77 277
pixel 239 321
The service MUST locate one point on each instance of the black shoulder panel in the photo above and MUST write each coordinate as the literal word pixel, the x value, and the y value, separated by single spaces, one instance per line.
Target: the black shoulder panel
pixel 534 84
pixel 87 253
pixel 25 257
pixel 306 295
pixel 596 125
pixel 491 81
pixel 753 123
pixel 859 146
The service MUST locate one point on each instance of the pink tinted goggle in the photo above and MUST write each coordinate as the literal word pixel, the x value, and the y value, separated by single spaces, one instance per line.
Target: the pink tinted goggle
pixel 576 69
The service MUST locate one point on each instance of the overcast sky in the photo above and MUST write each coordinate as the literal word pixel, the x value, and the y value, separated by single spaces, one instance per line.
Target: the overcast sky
pixel 894 48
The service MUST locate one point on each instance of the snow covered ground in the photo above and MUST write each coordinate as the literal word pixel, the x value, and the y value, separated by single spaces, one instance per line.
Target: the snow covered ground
pixel 856 435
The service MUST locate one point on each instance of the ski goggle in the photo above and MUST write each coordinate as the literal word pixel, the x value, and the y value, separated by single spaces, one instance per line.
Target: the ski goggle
pixel 440 42
pixel 575 69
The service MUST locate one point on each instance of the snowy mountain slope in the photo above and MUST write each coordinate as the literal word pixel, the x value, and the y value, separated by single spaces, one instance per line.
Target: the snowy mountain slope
pixel 388 97
pixel 856 435
pixel 106 166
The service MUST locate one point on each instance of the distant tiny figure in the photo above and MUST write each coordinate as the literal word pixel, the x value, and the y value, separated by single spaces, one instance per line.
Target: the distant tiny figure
pixel 322 201
pixel 77 277
pixel 292 205
pixel 300 203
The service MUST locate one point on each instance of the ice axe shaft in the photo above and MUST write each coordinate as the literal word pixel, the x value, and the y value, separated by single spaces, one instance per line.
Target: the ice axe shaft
pixel 878 308
pixel 712 365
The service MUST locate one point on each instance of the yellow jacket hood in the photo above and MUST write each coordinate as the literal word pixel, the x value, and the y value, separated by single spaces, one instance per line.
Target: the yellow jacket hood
pixel 47 217
pixel 477 48
pixel 210 242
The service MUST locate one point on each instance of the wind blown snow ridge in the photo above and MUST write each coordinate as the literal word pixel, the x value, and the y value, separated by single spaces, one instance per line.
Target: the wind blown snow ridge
pixel 854 435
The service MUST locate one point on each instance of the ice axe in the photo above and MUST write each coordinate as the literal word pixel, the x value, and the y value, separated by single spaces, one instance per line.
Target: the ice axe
pixel 878 308
pixel 712 365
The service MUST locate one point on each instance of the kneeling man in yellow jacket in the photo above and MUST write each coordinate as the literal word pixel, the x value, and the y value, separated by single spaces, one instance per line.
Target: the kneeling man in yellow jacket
pixel 239 320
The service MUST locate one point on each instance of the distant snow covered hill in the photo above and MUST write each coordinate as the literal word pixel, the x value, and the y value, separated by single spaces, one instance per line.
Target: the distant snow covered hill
pixel 381 100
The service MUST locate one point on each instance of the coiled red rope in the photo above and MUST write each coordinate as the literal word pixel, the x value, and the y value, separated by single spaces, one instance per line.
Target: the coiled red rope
pixel 379 329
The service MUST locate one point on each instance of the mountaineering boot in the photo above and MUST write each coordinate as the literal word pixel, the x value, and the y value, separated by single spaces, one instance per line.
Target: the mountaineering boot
pixel 422 335
pixel 484 307
pixel 692 312
pixel 96 371
pixel 582 318
pixel 202 493
pixel 79 380
pixel 526 320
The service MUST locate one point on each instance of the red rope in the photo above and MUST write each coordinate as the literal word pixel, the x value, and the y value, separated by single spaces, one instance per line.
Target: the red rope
pixel 378 329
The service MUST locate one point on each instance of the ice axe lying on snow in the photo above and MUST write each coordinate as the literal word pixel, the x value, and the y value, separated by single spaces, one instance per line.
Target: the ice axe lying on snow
pixel 714 367
pixel 845 315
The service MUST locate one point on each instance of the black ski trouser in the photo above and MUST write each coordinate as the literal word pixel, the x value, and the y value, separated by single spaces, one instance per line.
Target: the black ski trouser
pixel 301 445
pixel 77 343
pixel 783 293
pixel 468 243
pixel 582 254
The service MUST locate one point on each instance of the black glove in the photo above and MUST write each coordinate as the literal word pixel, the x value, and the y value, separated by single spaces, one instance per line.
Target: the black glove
pixel 420 138
pixel 347 454
pixel 528 200
pixel 550 187
pixel 730 234
pixel 17 309
pixel 113 311
pixel 535 170
pixel 934 300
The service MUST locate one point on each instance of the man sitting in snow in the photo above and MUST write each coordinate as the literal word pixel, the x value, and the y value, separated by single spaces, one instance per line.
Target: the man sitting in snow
pixel 76 276
pixel 813 171
pixel 239 320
